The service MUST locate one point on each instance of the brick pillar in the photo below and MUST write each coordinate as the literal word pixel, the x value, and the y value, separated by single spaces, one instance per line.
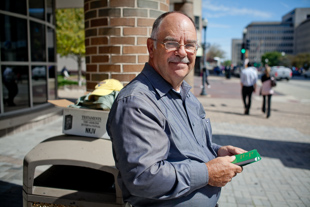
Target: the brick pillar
pixel 116 32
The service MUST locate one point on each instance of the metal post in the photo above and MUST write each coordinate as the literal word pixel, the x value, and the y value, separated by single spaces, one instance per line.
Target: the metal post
pixel 203 92
pixel 244 42
pixel 204 69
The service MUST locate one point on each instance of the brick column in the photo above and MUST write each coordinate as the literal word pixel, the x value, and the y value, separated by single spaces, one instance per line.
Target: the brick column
pixel 116 32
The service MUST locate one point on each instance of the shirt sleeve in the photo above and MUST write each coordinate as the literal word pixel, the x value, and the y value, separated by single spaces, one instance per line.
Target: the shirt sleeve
pixel 141 147
pixel 216 147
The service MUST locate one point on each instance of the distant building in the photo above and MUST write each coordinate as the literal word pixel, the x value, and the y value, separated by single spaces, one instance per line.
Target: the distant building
pixel 289 36
pixel 236 56
pixel 268 37
pixel 302 37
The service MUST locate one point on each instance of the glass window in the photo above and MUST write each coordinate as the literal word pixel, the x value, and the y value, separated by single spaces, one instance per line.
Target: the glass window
pixel 36 9
pixel 39 85
pixel 16 6
pixel 37 39
pixel 50 11
pixel 13 37
pixel 15 87
pixel 197 20
pixel 52 82
pixel 51 44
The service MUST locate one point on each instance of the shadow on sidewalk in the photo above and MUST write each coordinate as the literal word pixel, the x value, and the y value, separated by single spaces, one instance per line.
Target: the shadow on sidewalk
pixel 291 154
pixel 10 195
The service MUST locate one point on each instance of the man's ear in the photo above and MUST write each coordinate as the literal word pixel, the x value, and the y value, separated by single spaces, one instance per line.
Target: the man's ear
pixel 150 46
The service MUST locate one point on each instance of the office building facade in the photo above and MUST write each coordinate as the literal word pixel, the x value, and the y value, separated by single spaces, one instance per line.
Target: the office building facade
pixel 236 56
pixel 289 36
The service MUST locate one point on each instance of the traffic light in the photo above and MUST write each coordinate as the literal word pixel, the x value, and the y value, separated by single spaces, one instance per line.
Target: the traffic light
pixel 242 48
pixel 242 51
pixel 247 45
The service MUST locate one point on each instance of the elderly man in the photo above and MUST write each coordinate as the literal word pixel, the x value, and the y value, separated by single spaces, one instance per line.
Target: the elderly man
pixel 162 142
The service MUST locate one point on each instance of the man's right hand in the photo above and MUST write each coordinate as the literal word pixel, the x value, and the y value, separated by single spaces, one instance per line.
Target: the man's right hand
pixel 221 170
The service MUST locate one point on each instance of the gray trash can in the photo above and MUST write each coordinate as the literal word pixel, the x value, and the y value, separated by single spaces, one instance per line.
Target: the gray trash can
pixel 82 173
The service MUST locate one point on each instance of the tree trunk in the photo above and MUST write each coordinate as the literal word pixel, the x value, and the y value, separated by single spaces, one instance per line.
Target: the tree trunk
pixel 79 61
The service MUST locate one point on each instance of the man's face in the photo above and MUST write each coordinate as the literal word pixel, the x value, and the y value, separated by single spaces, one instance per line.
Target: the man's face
pixel 173 65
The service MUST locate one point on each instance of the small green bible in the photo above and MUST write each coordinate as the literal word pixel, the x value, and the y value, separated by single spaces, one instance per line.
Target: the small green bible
pixel 247 158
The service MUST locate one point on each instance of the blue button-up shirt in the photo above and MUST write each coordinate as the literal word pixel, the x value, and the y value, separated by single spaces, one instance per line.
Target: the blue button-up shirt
pixel 161 142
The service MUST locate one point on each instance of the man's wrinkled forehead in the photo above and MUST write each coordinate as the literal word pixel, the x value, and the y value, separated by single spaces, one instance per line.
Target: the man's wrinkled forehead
pixel 176 25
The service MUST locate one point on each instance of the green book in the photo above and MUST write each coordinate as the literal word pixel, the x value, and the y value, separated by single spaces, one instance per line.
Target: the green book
pixel 247 158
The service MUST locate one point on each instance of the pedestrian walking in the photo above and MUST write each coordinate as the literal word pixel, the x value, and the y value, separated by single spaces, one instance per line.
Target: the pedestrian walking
pixel 162 142
pixel 266 90
pixel 207 74
pixel 65 72
pixel 248 84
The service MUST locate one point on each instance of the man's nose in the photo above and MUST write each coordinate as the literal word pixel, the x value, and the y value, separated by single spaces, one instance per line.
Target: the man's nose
pixel 181 51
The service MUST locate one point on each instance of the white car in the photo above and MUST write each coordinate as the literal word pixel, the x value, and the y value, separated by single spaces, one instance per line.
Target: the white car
pixel 306 73
pixel 38 72
pixel 281 72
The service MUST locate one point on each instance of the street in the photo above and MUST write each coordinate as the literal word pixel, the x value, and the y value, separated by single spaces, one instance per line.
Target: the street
pixel 298 89
pixel 290 105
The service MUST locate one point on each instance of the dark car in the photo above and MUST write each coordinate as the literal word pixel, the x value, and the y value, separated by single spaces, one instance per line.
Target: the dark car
pixel 295 71
pixel 217 70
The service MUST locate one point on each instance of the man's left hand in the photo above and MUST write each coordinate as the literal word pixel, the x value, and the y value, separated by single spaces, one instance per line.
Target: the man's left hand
pixel 229 151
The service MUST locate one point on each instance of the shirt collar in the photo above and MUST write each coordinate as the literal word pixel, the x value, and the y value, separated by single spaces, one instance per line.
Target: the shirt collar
pixel 161 86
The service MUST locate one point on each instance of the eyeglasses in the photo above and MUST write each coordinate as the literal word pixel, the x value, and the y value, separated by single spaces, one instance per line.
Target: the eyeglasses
pixel 173 46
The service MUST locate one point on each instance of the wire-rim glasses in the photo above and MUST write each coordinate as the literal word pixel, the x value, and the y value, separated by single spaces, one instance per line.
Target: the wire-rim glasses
pixel 173 46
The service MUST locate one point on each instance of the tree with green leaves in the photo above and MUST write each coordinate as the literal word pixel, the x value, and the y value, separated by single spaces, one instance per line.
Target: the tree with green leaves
pixel 70 35
pixel 271 58
pixel 302 60
pixel 227 63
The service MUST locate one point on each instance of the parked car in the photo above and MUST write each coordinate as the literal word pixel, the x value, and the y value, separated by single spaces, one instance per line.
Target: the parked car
pixel 236 71
pixel 281 72
pixel 295 71
pixel 306 73
pixel 217 70
pixel 39 72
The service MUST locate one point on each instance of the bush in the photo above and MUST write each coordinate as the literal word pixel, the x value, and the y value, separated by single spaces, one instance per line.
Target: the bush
pixel 63 82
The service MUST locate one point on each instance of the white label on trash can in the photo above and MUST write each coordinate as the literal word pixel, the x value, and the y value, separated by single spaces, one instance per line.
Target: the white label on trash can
pixel 83 122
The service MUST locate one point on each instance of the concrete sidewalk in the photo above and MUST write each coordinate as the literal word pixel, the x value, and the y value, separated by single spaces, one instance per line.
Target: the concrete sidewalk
pixel 281 178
